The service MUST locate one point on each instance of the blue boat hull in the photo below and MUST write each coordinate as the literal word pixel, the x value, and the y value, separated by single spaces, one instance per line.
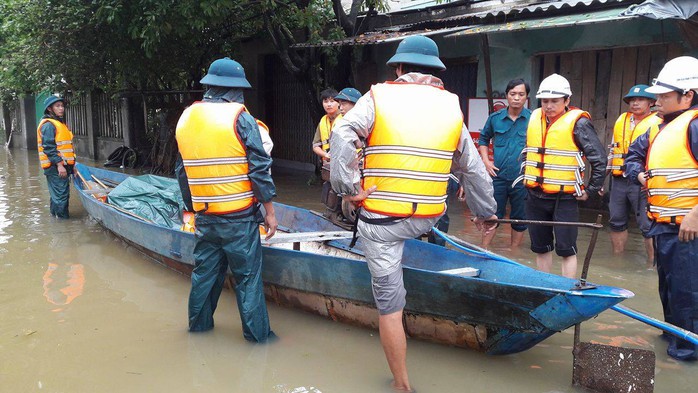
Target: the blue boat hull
pixel 507 309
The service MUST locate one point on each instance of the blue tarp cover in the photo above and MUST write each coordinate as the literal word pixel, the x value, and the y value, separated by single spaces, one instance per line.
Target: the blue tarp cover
pixel 155 198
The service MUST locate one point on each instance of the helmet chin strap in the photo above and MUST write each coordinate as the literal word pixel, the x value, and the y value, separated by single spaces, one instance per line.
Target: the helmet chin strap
pixel 656 82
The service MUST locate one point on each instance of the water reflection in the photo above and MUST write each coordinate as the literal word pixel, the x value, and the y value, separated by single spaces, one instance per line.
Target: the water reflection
pixel 5 220
pixel 62 287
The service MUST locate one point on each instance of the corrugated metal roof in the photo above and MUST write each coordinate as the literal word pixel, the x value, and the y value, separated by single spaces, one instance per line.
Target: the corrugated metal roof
pixel 467 21
pixel 373 38
pixel 542 23
pixel 526 10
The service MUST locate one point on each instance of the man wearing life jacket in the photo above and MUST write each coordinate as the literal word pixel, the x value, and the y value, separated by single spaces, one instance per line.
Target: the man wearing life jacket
pixel 665 160
pixel 56 154
pixel 624 192
pixel 557 141
pixel 415 136
pixel 321 139
pixel 224 175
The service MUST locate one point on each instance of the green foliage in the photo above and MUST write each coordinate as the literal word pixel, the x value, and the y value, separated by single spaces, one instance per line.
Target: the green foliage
pixel 146 44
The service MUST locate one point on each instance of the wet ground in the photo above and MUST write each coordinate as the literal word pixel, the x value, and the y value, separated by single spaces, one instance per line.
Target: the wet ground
pixel 83 312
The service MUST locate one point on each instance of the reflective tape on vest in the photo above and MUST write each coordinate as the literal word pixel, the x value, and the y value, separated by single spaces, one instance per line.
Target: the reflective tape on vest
pixel 214 158
pixel 409 152
pixel 672 181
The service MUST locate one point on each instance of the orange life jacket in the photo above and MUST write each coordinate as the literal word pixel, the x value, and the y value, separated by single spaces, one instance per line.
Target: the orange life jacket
pixel 672 172
pixel 623 137
pixel 553 161
pixel 214 157
pixel 326 130
pixel 64 143
pixel 410 149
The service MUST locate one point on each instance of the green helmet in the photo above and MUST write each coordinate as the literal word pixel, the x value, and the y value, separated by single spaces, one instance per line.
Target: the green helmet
pixel 348 94
pixel 639 91
pixel 227 73
pixel 50 100
pixel 417 50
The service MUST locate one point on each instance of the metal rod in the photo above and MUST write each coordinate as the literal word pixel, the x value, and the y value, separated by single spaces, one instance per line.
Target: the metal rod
pixel 549 223
pixel 585 270
pixel 590 251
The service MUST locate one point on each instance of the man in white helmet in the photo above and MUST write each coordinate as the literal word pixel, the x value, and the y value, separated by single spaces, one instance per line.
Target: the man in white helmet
pixel 414 136
pixel 557 141
pixel 666 163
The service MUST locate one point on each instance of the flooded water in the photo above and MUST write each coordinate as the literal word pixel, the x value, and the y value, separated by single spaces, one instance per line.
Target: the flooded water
pixel 83 312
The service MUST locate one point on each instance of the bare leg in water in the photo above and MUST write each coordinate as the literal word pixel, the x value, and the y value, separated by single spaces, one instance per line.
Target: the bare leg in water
pixel 569 264
pixel 394 344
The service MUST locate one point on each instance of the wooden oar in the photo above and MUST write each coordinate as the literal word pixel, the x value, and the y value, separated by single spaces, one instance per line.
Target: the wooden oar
pixel 99 182
pixel 84 182
pixel 130 214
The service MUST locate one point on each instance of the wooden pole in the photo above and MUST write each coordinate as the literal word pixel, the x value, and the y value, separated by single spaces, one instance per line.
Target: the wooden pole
pixel 84 182
pixel 485 43
pixel 130 214
pixel 99 182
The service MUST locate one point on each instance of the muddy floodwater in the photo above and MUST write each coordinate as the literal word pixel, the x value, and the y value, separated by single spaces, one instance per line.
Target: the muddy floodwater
pixel 81 311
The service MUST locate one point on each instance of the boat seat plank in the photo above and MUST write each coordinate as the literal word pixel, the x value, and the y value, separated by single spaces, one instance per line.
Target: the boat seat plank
pixel 96 191
pixel 463 271
pixel 300 237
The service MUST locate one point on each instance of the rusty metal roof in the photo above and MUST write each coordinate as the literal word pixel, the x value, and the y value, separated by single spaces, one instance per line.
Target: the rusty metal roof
pixel 542 23
pixel 380 37
pixel 530 9
pixel 464 22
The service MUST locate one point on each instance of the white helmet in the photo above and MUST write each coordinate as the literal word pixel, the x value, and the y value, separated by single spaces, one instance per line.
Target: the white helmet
pixel 679 74
pixel 554 86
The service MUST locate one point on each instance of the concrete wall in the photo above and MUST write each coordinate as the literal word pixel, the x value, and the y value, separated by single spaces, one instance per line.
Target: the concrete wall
pixel 90 146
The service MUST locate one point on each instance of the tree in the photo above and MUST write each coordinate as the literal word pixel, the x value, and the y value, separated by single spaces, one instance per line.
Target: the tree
pixel 161 44
pixel 316 21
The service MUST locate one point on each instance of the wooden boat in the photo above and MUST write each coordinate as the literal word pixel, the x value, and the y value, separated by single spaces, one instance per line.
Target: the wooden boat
pixel 473 301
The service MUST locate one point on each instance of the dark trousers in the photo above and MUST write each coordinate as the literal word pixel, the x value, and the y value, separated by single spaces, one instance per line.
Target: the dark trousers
pixel 544 238
pixel 516 196
pixel 222 243
pixel 59 190
pixel 677 266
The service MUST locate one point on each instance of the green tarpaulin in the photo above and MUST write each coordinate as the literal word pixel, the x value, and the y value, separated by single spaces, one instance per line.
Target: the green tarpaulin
pixel 155 198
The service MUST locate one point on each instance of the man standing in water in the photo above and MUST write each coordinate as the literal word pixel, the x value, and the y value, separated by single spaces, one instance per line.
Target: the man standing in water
pixel 415 133
pixel 557 138
pixel 624 192
pixel 55 145
pixel 508 129
pixel 666 162
pixel 224 175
